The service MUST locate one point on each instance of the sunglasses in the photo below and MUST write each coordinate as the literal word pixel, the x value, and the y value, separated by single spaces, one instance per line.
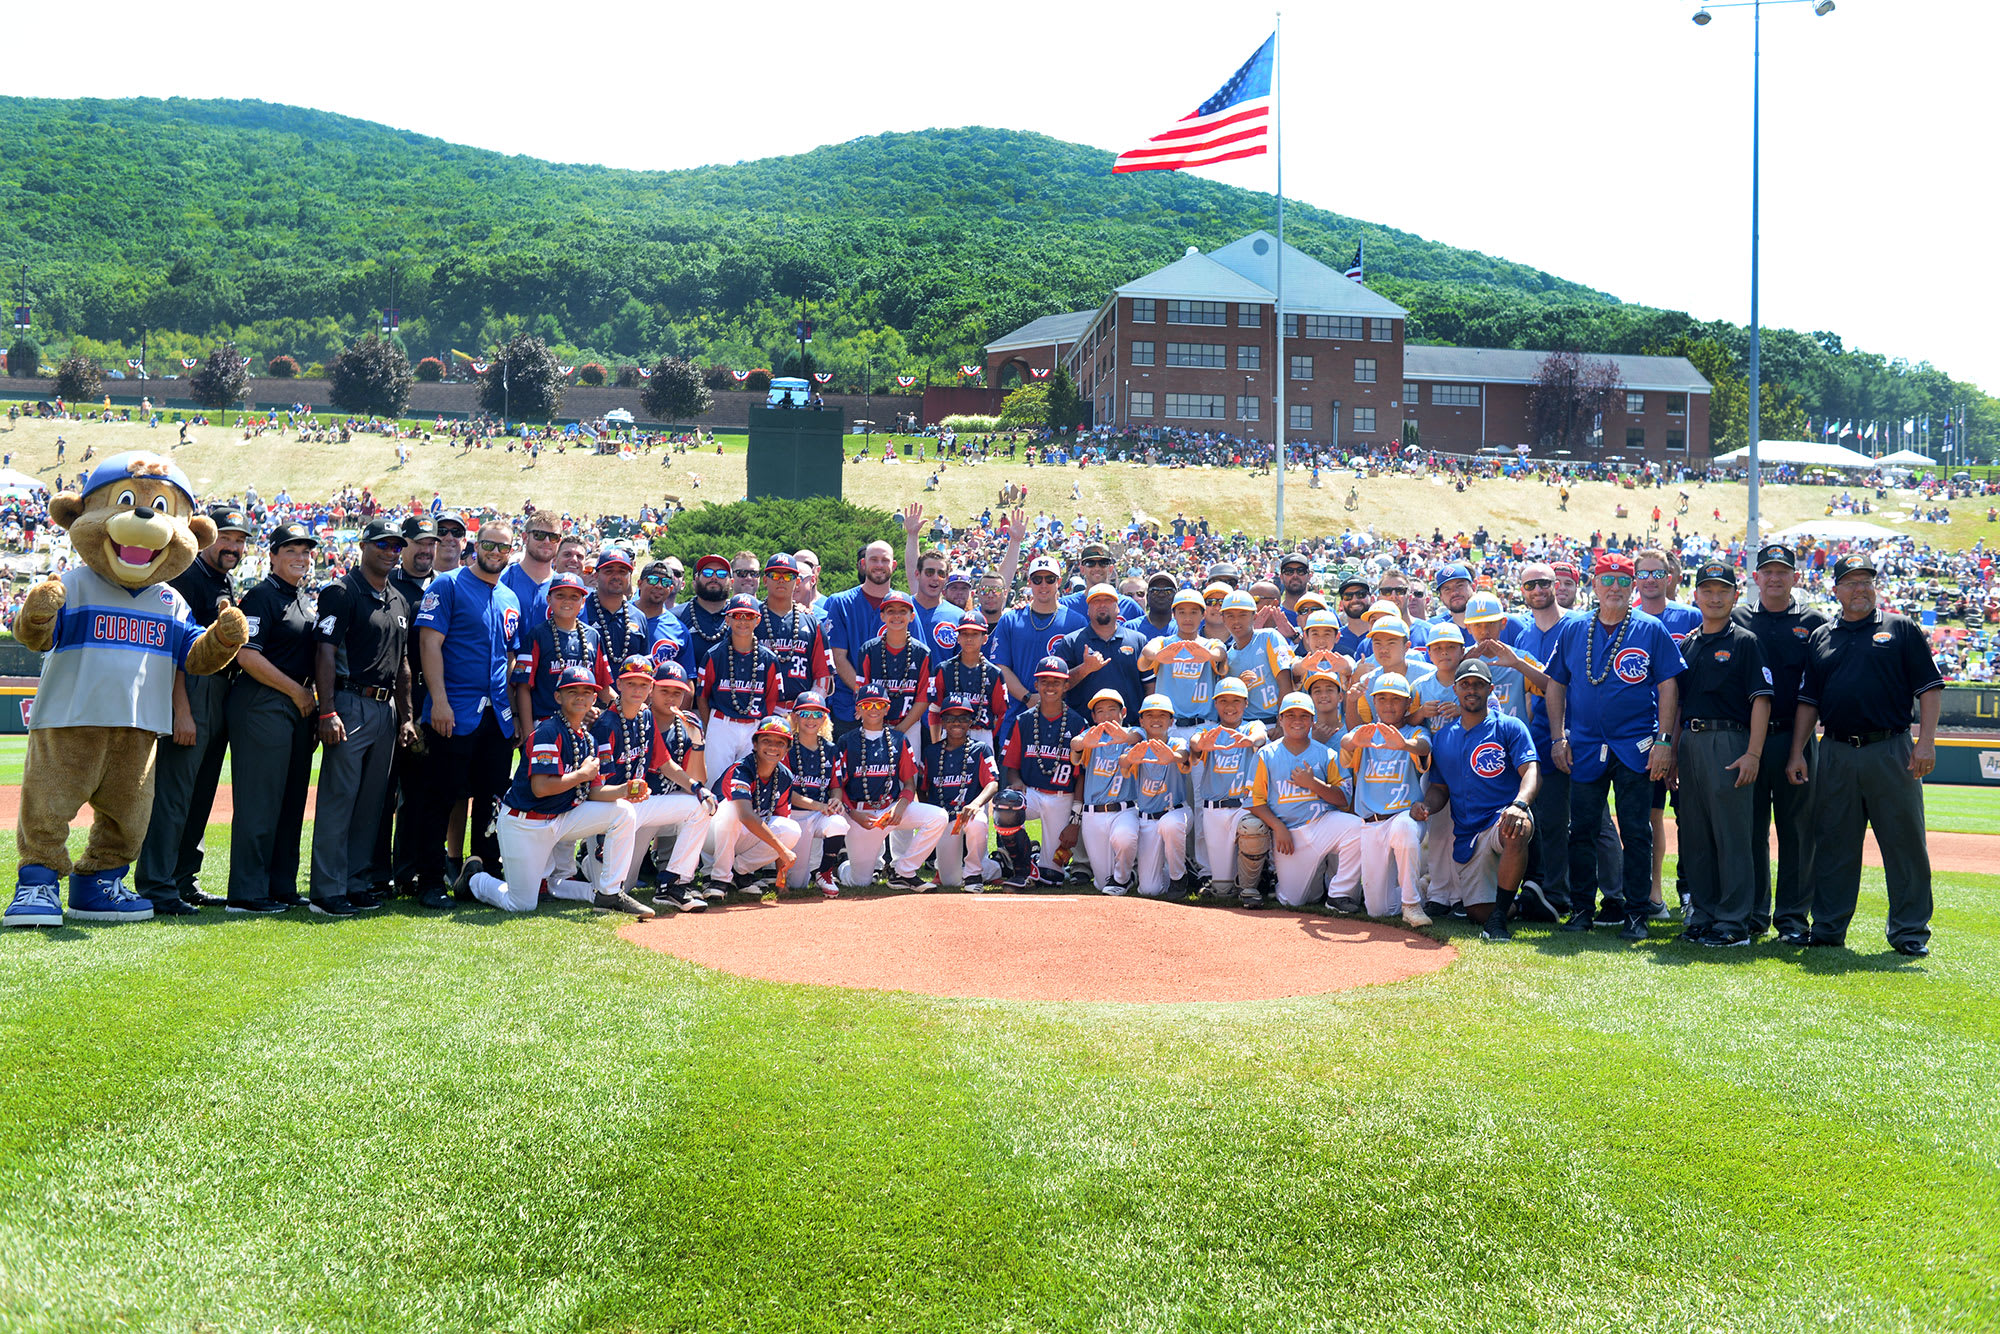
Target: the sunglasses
pixel 701 571
pixel 744 574
pixel 389 544
pixel 659 580
pixel 1043 579
pixel 1538 583
pixel 451 532
pixel 485 545
pixel 1615 580
pixel 1652 574
pixel 1097 560
pixel 544 535
pixel 1392 592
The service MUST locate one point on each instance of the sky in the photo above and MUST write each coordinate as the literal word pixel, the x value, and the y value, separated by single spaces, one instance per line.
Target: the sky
pixel 1605 141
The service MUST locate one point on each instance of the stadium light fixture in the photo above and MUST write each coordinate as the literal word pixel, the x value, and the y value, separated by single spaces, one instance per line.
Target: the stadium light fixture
pixel 1703 18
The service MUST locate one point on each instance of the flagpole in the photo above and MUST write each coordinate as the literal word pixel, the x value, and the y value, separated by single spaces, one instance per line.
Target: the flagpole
pixel 1278 372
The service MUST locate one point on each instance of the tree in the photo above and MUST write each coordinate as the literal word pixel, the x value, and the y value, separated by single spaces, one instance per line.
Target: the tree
pixel 221 380
pixel 1026 406
pixel 1569 397
pixel 24 359
pixel 675 392
pixel 77 377
pixel 1065 408
pixel 758 381
pixel 821 524
pixel 371 376
pixel 523 381
pixel 430 370
pixel 1780 414
pixel 281 367
pixel 590 373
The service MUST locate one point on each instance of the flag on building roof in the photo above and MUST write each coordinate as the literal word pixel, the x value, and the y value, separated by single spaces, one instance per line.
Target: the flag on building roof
pixel 1234 123
pixel 1354 269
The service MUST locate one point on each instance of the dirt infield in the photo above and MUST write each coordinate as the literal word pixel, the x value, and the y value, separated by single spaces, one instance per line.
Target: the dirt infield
pixel 1045 947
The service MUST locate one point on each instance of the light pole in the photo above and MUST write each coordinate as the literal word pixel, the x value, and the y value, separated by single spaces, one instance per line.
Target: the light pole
pixel 1701 19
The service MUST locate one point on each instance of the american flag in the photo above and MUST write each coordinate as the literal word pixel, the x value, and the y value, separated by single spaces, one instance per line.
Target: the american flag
pixel 1354 269
pixel 1234 123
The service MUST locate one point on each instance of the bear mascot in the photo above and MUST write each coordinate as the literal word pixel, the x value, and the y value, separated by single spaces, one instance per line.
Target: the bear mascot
pixel 113 632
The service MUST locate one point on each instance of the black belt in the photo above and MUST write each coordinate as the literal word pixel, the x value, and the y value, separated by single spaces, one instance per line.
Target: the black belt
pixel 1714 725
pixel 1107 806
pixel 1226 803
pixel 1377 819
pixel 1189 722
pixel 1860 739
pixel 1152 815
pixel 384 693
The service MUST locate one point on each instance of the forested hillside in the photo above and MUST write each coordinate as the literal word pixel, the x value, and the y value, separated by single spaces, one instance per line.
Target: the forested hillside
pixel 283 227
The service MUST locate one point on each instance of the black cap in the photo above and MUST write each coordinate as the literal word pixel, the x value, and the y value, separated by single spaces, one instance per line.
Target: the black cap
pixel 418 525
pixel 1295 558
pixel 227 520
pixel 380 527
pixel 287 533
pixel 1094 551
pixel 1475 667
pixel 1715 572
pixel 1777 553
pixel 1224 569
pixel 1854 562
pixel 452 516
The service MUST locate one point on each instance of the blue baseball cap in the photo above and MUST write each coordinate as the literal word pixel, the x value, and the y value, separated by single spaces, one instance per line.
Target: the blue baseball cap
pixel 1052 666
pixel 742 604
pixel 1448 573
pixel 671 673
pixel 140 464
pixel 569 582
pixel 811 699
pixel 874 692
pixel 613 556
pixel 576 678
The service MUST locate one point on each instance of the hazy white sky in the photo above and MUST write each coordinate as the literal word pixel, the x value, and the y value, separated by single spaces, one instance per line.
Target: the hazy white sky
pixel 1607 141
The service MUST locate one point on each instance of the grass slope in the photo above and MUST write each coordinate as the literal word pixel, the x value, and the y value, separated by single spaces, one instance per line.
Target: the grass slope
pixel 417 1122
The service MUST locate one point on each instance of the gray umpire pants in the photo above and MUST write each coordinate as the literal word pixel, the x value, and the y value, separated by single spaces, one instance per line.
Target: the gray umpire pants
pixel 270 767
pixel 353 788
pixel 1860 787
pixel 1778 801
pixel 184 780
pixel 1713 817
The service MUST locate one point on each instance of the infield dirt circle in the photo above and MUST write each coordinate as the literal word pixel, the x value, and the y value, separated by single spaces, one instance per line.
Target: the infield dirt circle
pixel 1044 947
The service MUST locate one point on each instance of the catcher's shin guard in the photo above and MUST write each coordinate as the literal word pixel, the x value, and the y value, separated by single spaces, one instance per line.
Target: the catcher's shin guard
pixel 1253 850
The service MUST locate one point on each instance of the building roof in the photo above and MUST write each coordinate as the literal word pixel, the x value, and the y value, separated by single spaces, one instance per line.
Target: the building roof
pixel 1045 331
pixel 1800 453
pixel 1311 288
pixel 1500 365
pixel 1198 277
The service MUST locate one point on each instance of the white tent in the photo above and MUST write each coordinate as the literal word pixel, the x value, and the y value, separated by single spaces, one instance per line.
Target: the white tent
pixel 13 481
pixel 1800 454
pixel 1906 456
pixel 1841 529
pixel 618 416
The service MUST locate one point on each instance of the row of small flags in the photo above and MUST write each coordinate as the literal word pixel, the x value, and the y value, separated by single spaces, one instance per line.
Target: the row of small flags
pixel 1912 428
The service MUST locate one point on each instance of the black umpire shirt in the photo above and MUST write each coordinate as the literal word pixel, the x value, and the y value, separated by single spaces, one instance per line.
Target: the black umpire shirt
pixel 412 589
pixel 369 631
pixel 1725 672
pixel 281 626
pixel 202 584
pixel 1865 675
pixel 1783 635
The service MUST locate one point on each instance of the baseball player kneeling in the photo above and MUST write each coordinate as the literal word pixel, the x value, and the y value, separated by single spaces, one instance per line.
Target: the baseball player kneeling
pixel 1388 759
pixel 755 797
pixel 960 779
pixel 1109 826
pixel 665 796
pixel 1297 795
pixel 556 799
pixel 1484 765
pixel 876 774
pixel 1157 767
pixel 815 800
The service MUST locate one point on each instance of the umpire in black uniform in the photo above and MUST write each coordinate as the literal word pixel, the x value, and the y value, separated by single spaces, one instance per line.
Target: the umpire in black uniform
pixel 186 771
pixel 1725 712
pixel 391 860
pixel 1782 628
pixel 362 679
pixel 271 712
pixel 1862 671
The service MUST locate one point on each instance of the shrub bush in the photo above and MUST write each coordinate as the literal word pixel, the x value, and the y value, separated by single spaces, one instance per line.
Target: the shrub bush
pixel 430 370
pixel 718 377
pixel 78 377
pixel 833 528
pixel 1026 406
pixel 759 381
pixel 282 367
pixel 970 421
pixel 24 359
pixel 627 376
pixel 590 373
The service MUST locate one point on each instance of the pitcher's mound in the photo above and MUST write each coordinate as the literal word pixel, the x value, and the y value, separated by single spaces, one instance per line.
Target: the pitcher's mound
pixel 1045 947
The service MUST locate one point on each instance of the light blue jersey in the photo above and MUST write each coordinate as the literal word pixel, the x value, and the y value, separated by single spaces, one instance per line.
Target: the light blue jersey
pixel 1185 673
pixel 1257 665
pixel 1433 689
pixel 114 657
pixel 1224 773
pixel 1102 782
pixel 1385 780
pixel 1160 785
pixel 1292 803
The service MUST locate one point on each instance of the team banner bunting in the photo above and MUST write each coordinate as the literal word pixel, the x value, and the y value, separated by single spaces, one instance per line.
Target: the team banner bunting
pixel 968 370
pixel 246 361
pixel 905 381
pixel 823 376
pixel 566 370
pixel 138 366
pixel 645 372
pixel 189 363
pixel 479 367
pixel 1041 373
pixel 739 376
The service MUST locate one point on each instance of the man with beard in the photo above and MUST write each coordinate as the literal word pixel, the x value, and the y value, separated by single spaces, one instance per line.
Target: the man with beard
pixel 529 576
pixel 654 598
pixel 853 617
pixel 1095 564
pixel 1158 622
pixel 958 589
pixel 610 608
pixel 702 622
pixel 1294 578
pixel 1352 594
pixel 185 772
pixel 1454 590
pixel 1104 654
pixel 1568 577
pixel 1548 867
pixel 791 632
pixel 411 577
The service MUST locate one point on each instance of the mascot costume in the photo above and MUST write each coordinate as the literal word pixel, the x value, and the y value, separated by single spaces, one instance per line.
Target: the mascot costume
pixel 113 633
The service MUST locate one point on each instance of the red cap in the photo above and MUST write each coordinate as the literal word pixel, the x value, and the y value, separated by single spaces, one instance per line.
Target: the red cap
pixel 1613 562
pixel 1565 567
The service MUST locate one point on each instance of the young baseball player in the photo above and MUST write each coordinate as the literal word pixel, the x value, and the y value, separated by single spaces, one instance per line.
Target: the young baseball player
pixel 557 798
pixel 1516 676
pixel 1109 827
pixel 1157 778
pixel 791 632
pixel 1389 638
pixel 682 741
pixel 1222 758
pixel 1388 759
pixel 961 779
pixel 900 663
pixel 630 753
pixel 1297 795
pixel 1260 659
pixel 1323 688
pixel 1035 758
pixel 560 642
pixel 1186 667
pixel 755 796
pixel 1434 704
pixel 1319 632
pixel 970 679
pixel 680 800
pixel 815 798
pixel 876 774
pixel 739 684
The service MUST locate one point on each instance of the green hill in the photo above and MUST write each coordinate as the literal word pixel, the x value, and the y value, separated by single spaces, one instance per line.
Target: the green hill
pixel 280 226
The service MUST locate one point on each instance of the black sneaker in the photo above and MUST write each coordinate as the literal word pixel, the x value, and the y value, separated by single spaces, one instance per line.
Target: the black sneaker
pixel 1725 938
pixel 261 908
pixel 337 906
pixel 908 884
pixel 436 897
pixel 1495 928
pixel 289 897
pixel 1797 939
pixel 1536 902
pixel 173 906
pixel 719 888
pixel 1345 908
pixel 669 892
pixel 1914 949
pixel 1634 928
pixel 1694 935
pixel 461 884
pixel 974 885
pixel 620 901
pixel 368 900
pixel 198 898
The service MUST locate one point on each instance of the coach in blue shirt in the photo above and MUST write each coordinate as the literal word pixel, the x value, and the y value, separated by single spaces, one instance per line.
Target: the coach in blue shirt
pixel 467 629
pixel 1104 653
pixel 853 617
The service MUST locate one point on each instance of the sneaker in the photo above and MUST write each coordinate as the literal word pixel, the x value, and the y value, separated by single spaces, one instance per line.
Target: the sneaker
pixel 1014 884
pixel 1694 935
pixel 1343 907
pixel 1249 898
pixel 668 892
pixel 1458 911
pixel 1635 927
pixel 1415 916
pixel 201 899
pixel 1725 938
pixel 1659 912
pixel 174 906
pixel 101 896
pixel 461 884
pixel 718 888
pixel 437 897
pixel 291 898
pixel 974 885
pixel 1495 928
pixel 368 900
pixel 1115 888
pixel 693 902
pixel 1579 921
pixel 908 884
pixel 261 908
pixel 337 906
pixel 1795 938
pixel 1537 902
pixel 35 904
pixel 826 884
pixel 620 901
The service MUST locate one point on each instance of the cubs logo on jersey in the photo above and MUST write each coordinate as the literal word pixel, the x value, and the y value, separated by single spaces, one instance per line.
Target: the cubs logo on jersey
pixel 1054 644
pixel 944 634
pixel 1488 759
pixel 1631 665
pixel 510 623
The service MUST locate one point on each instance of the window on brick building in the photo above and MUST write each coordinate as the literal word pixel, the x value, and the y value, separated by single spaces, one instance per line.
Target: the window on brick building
pixel 1249 317
pixel 1142 403
pixel 1246 407
pixel 1249 358
pixel 1635 438
pixel 1197 312
pixel 1364 370
pixel 1326 326
pixel 1455 395
pixel 1142 310
pixel 1410 394
pixel 1381 331
pixel 1635 403
pixel 1142 353
pixel 1364 421
pixel 1196 354
pixel 1677 405
pixel 1207 406
pixel 1677 442
pixel 1302 368
pixel 1300 416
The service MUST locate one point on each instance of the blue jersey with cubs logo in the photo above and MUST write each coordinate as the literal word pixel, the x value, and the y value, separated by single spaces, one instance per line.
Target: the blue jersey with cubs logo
pixel 768 797
pixel 739 685
pixel 937 627
pixel 795 637
pixel 954 775
pixel 1477 765
pixel 978 684
pixel 812 770
pixel 554 750
pixel 481 625
pixel 548 650
pixel 1613 676
pixel 624 630
pixel 873 770
pixel 667 641
pixel 1680 619
pixel 905 673
pixel 624 745
pixel 1025 636
pixel 1037 746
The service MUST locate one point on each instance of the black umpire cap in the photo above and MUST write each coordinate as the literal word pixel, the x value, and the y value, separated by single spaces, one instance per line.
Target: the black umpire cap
pixel 1854 562
pixel 381 528
pixel 227 520
pixel 1776 553
pixel 1715 572
pixel 287 533
pixel 418 526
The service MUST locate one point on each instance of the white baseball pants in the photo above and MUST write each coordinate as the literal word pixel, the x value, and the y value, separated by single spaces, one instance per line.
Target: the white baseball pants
pixel 725 742
pixel 1330 833
pixel 736 852
pixel 529 850
pixel 956 853
pixel 926 824
pixel 659 813
pixel 1391 856
pixel 1151 861
pixel 1212 833
pixel 815 827
pixel 1112 840
pixel 1052 809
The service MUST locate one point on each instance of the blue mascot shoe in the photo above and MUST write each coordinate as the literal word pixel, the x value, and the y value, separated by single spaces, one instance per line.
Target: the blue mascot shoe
pixel 101 896
pixel 37 901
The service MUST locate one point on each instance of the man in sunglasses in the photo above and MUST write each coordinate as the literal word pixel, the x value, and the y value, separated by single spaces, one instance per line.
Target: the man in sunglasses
pixel 1095 565
pixel 654 597
pixel 1294 578
pixel 1548 865
pixel 451 532
pixel 529 575
pixel 702 626
pixel 1027 635
pixel 1614 708
pixel 743 573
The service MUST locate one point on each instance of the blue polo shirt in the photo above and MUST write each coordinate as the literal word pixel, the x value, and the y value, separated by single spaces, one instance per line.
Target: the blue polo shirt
pixel 1477 765
pixel 1120 670
pixel 1619 712
pixel 852 619
pixel 481 623
pixel 1130 610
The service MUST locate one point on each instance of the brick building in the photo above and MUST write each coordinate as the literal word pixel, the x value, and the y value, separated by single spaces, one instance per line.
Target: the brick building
pixel 1194 345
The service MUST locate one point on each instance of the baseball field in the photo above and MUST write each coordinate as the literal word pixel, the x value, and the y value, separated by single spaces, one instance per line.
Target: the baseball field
pixel 459 1121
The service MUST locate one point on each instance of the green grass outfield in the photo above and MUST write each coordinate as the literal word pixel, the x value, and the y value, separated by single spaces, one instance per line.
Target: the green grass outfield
pixel 469 1122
